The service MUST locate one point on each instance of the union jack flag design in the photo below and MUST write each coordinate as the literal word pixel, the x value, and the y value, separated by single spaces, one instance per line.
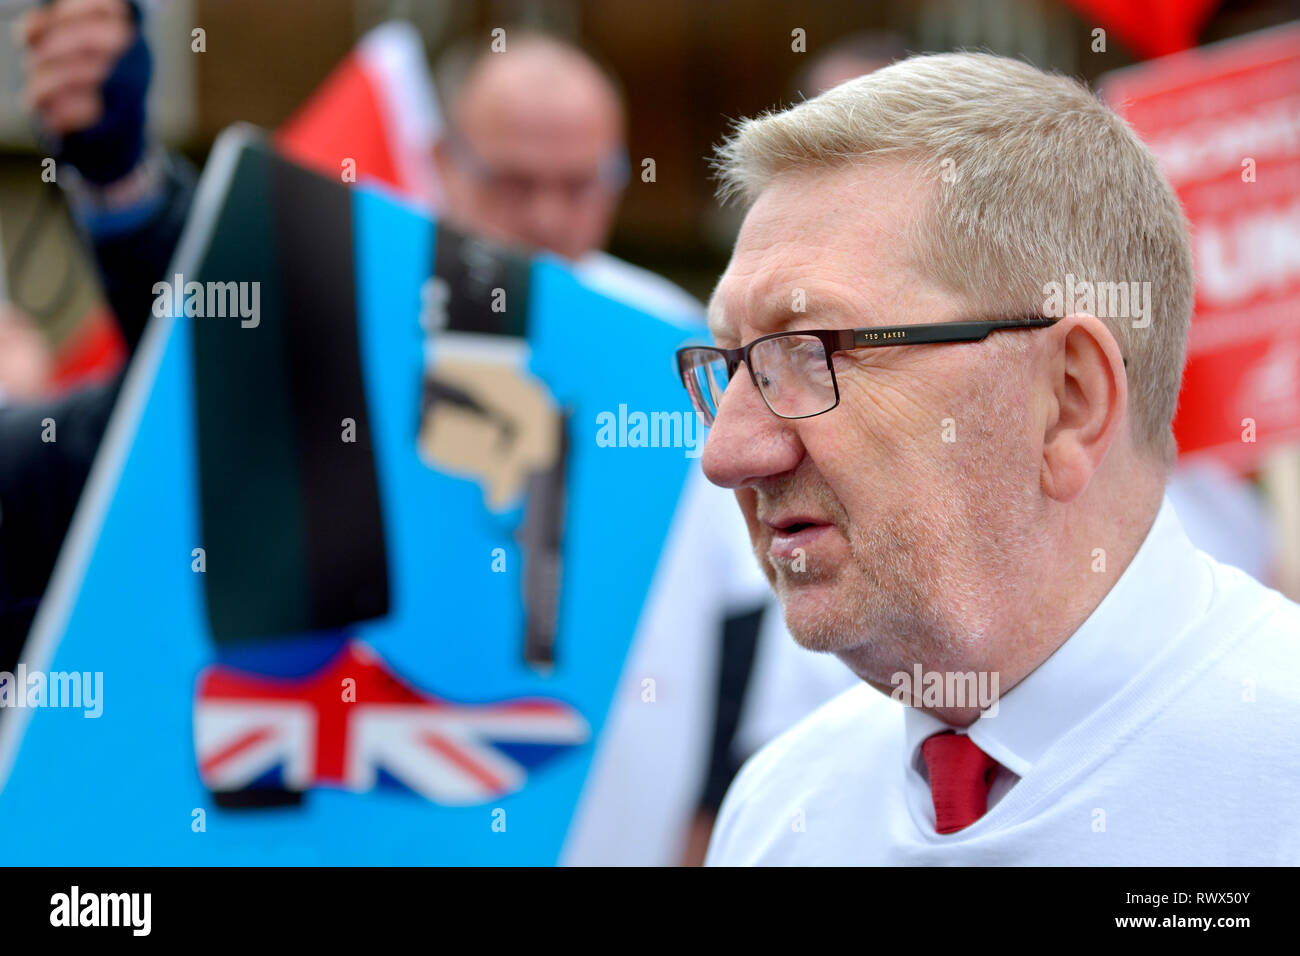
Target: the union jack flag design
pixel 254 731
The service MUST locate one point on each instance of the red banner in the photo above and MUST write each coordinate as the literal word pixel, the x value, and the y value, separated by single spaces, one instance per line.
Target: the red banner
pixel 1224 121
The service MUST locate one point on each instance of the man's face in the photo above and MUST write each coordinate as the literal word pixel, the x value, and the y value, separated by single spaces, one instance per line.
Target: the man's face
pixel 531 165
pixel 886 523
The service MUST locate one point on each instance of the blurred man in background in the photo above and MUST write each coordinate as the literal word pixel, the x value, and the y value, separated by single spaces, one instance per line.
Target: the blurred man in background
pixel 533 155
pixel 847 58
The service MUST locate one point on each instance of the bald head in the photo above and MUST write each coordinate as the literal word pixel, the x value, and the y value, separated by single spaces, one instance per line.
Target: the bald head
pixel 534 150
pixel 536 78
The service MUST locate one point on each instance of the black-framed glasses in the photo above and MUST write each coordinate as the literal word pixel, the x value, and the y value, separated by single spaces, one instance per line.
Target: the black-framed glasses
pixel 793 371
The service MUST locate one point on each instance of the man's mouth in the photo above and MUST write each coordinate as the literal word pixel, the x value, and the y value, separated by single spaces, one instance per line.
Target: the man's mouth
pixel 794 532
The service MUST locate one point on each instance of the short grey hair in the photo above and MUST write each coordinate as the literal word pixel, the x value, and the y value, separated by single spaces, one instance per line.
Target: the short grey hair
pixel 1036 180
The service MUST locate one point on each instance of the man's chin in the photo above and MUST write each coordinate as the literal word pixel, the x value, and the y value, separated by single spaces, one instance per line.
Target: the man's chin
pixel 814 614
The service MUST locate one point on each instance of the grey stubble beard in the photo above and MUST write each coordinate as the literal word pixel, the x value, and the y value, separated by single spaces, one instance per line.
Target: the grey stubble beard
pixel 926 579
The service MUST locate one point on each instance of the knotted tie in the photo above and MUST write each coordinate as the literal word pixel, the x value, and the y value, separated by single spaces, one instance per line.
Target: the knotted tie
pixel 960 777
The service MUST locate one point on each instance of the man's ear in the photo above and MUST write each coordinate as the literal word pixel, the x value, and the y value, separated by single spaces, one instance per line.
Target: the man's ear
pixel 1088 391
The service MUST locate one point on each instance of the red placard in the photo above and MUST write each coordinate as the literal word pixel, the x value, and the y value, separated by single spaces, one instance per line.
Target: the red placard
pixel 1150 27
pixel 1224 121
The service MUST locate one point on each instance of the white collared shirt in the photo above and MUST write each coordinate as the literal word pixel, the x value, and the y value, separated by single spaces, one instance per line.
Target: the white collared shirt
pixel 1164 731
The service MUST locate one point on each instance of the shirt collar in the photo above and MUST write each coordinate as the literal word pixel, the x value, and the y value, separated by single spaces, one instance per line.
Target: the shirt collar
pixel 1164 588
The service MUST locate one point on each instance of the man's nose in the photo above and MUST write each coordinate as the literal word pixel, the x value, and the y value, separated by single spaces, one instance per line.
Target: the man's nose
pixel 747 442
pixel 549 218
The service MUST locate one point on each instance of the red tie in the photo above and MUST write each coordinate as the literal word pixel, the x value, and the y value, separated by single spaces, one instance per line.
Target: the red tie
pixel 960 777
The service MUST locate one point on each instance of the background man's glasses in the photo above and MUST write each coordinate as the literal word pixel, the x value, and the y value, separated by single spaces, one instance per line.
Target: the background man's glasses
pixel 516 187
pixel 793 371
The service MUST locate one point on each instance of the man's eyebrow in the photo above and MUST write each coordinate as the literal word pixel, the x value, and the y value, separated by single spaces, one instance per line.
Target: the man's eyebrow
pixel 713 315
pixel 777 312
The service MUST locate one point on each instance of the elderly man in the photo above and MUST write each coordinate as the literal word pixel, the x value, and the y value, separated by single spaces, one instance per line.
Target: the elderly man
pixel 953 474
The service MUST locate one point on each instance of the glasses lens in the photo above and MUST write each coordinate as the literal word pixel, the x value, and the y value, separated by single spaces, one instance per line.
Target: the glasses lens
pixel 704 373
pixel 793 375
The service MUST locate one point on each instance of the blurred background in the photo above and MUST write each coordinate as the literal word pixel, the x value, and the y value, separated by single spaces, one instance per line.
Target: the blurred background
pixel 686 70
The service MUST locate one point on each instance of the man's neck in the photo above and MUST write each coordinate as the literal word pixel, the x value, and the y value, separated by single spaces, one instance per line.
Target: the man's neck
pixel 1084 554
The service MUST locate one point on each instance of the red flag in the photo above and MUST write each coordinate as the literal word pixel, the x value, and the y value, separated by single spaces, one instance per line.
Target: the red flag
pixel 377 109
